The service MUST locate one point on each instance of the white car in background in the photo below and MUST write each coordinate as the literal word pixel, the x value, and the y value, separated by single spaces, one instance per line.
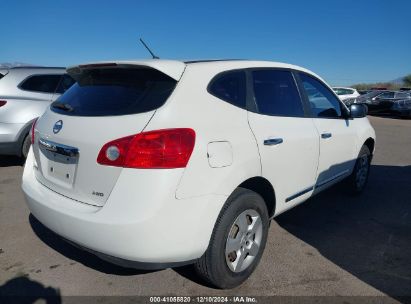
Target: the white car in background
pixel 346 93
pixel 25 93
pixel 160 163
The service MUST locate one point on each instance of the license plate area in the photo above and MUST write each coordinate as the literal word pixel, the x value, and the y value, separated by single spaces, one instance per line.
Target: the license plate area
pixel 58 163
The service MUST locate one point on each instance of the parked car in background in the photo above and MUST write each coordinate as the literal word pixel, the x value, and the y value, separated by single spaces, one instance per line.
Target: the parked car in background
pixel 379 101
pixel 346 93
pixel 197 158
pixel 25 93
pixel 363 92
pixel 402 107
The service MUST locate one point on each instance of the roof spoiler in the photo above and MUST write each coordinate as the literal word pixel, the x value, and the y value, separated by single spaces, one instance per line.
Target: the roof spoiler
pixel 171 68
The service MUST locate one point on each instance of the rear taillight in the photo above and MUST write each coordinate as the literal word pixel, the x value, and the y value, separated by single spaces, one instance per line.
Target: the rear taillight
pixel 2 102
pixel 32 130
pixel 160 149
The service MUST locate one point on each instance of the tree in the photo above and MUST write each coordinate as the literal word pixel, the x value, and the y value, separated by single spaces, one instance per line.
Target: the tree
pixel 407 80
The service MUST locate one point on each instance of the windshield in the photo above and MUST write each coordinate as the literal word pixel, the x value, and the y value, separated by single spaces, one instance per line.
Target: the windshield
pixel 115 91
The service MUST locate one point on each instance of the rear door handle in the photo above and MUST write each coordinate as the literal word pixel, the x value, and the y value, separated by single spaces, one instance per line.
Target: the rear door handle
pixel 273 141
pixel 326 135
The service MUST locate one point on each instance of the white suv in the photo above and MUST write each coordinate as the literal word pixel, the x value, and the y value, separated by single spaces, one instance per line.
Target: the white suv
pixel 346 93
pixel 159 163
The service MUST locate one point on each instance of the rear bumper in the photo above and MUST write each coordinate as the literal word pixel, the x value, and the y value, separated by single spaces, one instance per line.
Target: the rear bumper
pixel 10 138
pixel 132 264
pixel 141 224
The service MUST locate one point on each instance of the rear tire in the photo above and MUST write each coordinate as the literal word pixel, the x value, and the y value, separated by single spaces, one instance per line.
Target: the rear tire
pixel 358 179
pixel 237 242
pixel 25 148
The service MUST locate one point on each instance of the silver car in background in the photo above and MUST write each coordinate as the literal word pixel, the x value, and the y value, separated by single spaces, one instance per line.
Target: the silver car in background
pixel 25 93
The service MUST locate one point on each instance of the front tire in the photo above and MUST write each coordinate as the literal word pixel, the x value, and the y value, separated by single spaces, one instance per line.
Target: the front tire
pixel 237 242
pixel 358 179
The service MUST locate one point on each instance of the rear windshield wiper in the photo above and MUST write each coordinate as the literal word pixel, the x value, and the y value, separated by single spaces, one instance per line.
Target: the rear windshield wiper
pixel 62 106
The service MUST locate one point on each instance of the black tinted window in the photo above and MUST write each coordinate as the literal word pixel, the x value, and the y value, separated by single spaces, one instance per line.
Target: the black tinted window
pixel 276 93
pixel 403 95
pixel 41 83
pixel 115 91
pixel 230 87
pixel 322 101
pixel 65 83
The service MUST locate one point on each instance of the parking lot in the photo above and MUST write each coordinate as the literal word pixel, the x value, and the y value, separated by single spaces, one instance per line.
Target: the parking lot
pixel 334 244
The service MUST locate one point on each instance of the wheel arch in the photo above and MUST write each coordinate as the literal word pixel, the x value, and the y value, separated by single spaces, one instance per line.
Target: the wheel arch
pixel 264 188
pixel 370 143
pixel 25 131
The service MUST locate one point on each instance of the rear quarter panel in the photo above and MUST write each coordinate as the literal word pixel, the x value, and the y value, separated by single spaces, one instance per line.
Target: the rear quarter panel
pixel 213 120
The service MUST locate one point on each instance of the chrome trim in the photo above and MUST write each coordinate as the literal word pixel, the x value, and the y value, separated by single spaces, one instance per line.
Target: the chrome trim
pixel 58 148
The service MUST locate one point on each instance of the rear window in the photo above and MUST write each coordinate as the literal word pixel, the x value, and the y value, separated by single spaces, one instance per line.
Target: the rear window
pixel 115 91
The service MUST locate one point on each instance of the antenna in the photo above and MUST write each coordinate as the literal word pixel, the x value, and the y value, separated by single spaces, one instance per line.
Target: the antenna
pixel 148 49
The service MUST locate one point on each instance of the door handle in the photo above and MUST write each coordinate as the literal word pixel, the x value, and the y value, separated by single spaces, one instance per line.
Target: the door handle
pixel 326 135
pixel 273 141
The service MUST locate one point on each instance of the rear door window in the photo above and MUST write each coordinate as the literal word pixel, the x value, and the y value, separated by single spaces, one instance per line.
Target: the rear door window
pixel 115 91
pixel 230 87
pixel 276 93
pixel 41 83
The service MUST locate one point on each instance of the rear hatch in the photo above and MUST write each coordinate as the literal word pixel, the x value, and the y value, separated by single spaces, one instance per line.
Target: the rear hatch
pixel 109 101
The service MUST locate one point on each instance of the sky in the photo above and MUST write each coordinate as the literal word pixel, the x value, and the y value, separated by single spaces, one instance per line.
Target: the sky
pixel 345 42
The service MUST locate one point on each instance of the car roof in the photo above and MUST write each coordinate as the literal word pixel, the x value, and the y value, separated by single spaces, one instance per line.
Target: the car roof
pixel 244 63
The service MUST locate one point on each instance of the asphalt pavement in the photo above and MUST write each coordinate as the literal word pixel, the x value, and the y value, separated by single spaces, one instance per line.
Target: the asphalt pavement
pixel 332 245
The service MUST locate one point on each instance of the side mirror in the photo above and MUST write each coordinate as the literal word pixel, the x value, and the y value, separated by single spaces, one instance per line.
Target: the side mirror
pixel 358 110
